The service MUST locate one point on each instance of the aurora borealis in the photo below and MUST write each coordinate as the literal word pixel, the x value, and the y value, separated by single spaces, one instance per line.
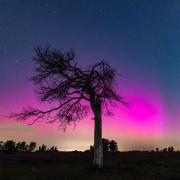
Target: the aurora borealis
pixel 140 38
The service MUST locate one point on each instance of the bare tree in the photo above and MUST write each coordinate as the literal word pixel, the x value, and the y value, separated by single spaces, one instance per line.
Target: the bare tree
pixel 67 86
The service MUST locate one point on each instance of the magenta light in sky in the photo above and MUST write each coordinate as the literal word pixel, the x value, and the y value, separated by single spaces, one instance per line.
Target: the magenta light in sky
pixel 145 114
pixel 141 121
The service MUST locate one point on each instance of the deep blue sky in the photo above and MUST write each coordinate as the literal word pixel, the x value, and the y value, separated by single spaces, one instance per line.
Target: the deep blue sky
pixel 136 33
pixel 141 38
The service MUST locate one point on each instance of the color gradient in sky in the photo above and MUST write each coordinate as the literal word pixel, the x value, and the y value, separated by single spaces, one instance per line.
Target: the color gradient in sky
pixel 140 38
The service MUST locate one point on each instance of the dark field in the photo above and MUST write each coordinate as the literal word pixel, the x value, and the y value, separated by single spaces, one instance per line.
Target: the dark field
pixel 72 166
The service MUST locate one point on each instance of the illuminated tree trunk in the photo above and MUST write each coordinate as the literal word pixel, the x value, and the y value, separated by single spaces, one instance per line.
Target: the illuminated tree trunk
pixel 98 150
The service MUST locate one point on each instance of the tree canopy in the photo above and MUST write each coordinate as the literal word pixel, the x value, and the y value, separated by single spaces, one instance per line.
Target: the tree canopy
pixel 66 85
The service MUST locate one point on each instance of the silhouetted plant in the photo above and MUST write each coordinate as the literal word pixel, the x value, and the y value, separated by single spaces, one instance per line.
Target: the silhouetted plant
pixel 18 146
pixel 52 149
pixel 1 146
pixel 9 146
pixel 170 149
pixel 62 81
pixel 32 146
pixel 23 146
pixel 91 148
pixel 113 147
pixel 105 143
pixel 42 148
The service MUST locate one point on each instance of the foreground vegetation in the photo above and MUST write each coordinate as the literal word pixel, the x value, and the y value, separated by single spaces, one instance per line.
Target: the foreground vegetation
pixel 77 165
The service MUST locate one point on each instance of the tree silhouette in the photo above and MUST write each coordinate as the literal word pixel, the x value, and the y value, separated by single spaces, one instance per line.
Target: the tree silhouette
pixel 113 147
pixel 9 146
pixel 23 146
pixel 170 149
pixel 32 146
pixel 91 148
pixel 71 90
pixel 105 143
pixel 18 146
pixel 53 149
pixel 1 146
pixel 42 148
pixel 164 150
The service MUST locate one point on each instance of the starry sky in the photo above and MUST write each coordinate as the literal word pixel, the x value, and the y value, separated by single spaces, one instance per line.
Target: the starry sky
pixel 140 38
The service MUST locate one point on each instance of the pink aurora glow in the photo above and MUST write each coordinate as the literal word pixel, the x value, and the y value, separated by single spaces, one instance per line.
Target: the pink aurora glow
pixel 142 119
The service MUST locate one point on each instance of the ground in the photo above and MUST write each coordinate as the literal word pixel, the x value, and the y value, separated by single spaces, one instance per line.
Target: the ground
pixel 77 166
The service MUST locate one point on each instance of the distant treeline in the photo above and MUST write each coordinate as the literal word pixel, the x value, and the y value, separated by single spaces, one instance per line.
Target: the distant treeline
pixel 12 146
pixel 108 146
pixel 166 149
pixel 111 146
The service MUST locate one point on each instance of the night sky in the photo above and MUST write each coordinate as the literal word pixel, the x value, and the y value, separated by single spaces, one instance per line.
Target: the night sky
pixel 140 38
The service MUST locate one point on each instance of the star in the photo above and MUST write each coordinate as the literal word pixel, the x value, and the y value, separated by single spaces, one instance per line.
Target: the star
pixel 16 61
pixel 100 10
pixel 54 12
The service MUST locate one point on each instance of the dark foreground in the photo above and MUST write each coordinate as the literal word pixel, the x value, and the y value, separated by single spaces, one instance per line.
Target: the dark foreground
pixel 72 166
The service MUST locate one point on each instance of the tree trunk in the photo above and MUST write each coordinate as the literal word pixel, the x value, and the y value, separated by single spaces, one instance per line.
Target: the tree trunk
pixel 98 149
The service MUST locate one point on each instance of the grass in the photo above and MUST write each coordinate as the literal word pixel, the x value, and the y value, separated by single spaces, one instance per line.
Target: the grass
pixel 72 166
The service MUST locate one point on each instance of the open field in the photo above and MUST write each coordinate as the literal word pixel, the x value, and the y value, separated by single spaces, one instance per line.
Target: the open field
pixel 75 165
